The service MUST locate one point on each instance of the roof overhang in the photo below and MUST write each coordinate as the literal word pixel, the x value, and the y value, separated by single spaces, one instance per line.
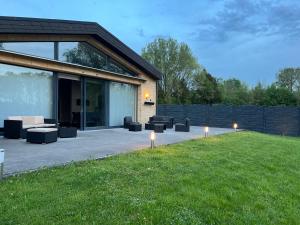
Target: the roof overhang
pixel 20 25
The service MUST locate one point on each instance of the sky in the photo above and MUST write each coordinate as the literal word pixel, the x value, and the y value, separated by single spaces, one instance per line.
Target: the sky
pixel 247 39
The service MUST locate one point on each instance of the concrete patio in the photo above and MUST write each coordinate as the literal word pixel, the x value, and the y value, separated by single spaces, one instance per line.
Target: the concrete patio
pixel 21 156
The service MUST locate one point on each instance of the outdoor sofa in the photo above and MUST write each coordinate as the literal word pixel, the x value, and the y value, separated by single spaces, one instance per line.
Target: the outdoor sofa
pixel 166 120
pixel 15 127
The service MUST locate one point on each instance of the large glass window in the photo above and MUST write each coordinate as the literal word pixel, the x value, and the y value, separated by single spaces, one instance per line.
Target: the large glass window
pixel 95 103
pixel 118 68
pixel 84 54
pixel 25 92
pixel 122 102
pixel 41 49
pixel 80 53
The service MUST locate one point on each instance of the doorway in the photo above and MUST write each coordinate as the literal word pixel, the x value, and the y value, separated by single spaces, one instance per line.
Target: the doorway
pixel 96 109
pixel 69 101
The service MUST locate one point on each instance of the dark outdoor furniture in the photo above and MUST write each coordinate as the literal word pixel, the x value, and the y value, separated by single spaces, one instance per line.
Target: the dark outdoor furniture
pixel 159 128
pixel 135 126
pixel 67 132
pixel 42 135
pixel 183 127
pixel 166 120
pixel 150 126
pixel 127 121
pixel 15 127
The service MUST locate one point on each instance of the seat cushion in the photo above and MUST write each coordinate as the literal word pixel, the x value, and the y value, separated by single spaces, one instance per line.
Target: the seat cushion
pixel 45 125
pixel 26 126
pixel 14 118
pixel 38 125
pixel 42 130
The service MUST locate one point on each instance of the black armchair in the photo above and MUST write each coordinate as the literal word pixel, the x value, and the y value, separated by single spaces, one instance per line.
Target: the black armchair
pixel 127 121
pixel 180 127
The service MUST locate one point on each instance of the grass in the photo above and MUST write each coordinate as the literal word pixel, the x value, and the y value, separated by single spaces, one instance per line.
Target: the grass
pixel 240 178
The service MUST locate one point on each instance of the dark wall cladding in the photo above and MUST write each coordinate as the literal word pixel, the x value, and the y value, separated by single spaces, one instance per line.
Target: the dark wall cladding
pixel 274 120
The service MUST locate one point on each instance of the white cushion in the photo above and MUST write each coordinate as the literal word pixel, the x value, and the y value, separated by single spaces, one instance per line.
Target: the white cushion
pixel 26 126
pixel 46 125
pixel 42 130
pixel 32 120
pixel 28 120
pixel 38 119
pixel 14 118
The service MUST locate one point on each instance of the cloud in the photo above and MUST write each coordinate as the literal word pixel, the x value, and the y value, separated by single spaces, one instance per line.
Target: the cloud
pixel 252 18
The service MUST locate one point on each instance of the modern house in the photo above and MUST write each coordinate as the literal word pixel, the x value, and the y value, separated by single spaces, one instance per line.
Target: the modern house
pixel 76 72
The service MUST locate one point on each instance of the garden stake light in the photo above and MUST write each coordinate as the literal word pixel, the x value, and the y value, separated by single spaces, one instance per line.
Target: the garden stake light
pixel 152 138
pixel 206 129
pixel 235 126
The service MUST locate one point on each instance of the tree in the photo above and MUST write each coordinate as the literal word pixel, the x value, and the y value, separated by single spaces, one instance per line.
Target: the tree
pixel 234 92
pixel 258 95
pixel 178 66
pixel 289 78
pixel 205 89
pixel 279 96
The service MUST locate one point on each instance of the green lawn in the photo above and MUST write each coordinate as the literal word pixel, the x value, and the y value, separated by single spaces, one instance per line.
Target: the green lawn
pixel 240 178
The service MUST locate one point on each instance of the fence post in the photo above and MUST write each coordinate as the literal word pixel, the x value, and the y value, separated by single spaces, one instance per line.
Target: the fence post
pixel 298 121
pixel 264 119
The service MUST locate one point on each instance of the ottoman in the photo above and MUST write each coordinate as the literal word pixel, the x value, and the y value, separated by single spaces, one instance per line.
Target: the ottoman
pixel 42 135
pixel 158 128
pixel 67 132
pixel 135 127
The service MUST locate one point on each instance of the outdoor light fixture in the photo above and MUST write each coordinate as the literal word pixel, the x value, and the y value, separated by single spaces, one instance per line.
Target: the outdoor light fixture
pixel 235 126
pixel 152 138
pixel 1 163
pixel 206 129
pixel 147 96
pixel 148 100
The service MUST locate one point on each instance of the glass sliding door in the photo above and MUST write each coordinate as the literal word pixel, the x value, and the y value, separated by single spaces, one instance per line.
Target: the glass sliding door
pixel 122 102
pixel 96 103
pixel 25 92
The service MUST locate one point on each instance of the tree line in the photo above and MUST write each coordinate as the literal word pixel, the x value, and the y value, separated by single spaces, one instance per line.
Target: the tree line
pixel 185 81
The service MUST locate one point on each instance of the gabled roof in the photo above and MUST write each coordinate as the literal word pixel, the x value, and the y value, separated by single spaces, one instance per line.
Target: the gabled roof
pixel 21 25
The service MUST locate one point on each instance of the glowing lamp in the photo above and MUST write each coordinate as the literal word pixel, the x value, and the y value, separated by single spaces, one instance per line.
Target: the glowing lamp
pixel 152 139
pixel 206 129
pixel 147 95
pixel 235 126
